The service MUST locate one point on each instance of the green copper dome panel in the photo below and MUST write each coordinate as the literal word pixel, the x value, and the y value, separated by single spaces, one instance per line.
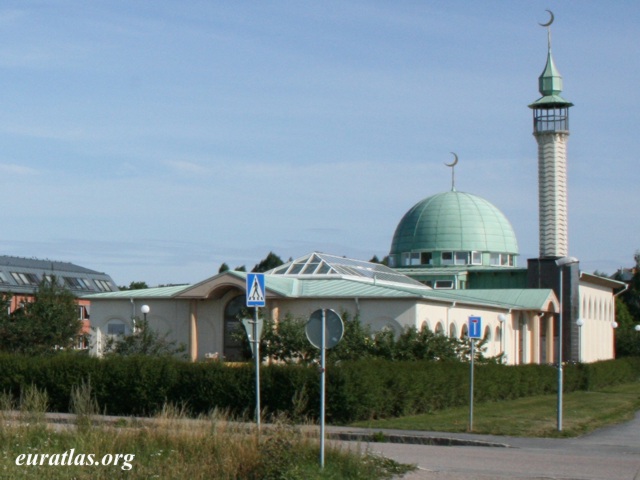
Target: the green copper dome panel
pixel 454 221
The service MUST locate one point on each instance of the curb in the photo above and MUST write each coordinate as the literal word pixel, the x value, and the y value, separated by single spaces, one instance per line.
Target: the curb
pixel 380 437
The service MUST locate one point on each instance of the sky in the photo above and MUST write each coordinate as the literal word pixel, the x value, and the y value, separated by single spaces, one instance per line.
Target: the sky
pixel 155 140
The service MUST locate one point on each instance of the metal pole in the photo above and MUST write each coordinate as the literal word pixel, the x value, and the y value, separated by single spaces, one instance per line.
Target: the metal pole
pixel 560 380
pixel 256 352
pixel 322 385
pixel 471 386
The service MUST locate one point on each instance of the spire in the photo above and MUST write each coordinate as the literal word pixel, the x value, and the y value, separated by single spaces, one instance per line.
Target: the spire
pixel 550 80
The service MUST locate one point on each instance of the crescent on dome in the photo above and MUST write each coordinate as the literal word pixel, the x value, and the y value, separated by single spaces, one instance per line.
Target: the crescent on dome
pixel 455 161
pixel 551 18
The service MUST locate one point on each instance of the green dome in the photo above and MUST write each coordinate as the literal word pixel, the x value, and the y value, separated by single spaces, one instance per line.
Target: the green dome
pixel 454 221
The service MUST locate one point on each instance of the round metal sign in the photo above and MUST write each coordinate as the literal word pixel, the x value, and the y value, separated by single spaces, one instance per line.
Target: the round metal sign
pixel 334 328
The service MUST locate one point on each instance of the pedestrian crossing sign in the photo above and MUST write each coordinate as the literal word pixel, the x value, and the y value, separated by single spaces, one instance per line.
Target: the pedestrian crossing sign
pixel 255 290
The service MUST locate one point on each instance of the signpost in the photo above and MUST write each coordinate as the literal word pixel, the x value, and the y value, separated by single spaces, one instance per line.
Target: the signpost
pixel 324 330
pixel 256 299
pixel 475 331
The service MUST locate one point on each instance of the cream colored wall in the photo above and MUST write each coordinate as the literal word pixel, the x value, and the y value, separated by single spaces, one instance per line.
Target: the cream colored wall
pixel 164 316
pixel 597 309
pixel 175 316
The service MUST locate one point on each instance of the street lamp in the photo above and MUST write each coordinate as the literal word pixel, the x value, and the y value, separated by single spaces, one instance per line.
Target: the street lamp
pixel 561 262
pixel 579 323
pixel 144 309
pixel 637 327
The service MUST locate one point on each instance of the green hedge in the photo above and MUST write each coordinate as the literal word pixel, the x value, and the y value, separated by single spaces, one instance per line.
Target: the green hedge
pixel 355 390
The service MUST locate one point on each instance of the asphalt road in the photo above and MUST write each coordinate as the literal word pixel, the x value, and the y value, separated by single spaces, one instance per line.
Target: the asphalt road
pixel 612 453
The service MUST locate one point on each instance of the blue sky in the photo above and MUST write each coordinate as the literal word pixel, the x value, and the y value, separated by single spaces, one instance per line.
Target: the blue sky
pixel 154 140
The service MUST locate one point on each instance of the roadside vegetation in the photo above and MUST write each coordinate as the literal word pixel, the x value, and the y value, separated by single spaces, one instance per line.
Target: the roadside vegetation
pixel 583 412
pixel 168 446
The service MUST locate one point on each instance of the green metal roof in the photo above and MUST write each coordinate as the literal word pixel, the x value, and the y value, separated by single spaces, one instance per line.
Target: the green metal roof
pixel 550 86
pixel 156 292
pixel 352 287
pixel 455 221
pixel 550 80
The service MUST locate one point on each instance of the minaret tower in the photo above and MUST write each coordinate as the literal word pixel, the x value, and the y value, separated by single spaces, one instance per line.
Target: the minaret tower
pixel 551 129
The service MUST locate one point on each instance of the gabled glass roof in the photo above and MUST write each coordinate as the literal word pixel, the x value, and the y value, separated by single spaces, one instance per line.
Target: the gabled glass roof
pixel 323 265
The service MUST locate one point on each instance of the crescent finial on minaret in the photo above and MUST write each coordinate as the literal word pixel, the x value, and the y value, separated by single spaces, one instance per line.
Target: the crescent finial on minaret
pixel 548 25
pixel 452 165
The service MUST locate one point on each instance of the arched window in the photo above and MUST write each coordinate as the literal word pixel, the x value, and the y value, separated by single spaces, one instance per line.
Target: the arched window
pixel 487 333
pixel 452 330
pixel 463 332
pixel 233 346
pixel 498 334
pixel 439 329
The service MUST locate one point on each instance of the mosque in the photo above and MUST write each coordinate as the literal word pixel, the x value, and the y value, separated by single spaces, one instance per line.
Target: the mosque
pixel 453 256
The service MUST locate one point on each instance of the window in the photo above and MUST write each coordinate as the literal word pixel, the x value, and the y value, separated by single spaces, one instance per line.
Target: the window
pixel 3 278
pixel 426 258
pixel 501 259
pixel 487 334
pixel 103 285
pixel 25 278
pixel 476 258
pixel 233 331
pixel 410 258
pixel 446 258
pixel 464 332
pixel 116 328
pixel 462 258
pixel 444 284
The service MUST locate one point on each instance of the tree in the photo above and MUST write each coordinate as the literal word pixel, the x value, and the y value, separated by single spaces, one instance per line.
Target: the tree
pixel 286 341
pixel 144 341
pixel 627 339
pixel 48 322
pixel 632 296
pixel 269 262
pixel 223 268
pixel 135 286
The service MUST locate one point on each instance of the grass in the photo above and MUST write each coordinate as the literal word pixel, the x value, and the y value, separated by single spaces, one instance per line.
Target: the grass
pixel 170 446
pixel 529 417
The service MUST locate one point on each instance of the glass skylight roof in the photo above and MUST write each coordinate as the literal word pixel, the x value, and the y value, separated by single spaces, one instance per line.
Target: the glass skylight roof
pixel 320 264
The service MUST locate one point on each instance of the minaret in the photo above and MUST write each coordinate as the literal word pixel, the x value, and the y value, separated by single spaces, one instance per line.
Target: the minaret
pixel 551 129
pixel 554 268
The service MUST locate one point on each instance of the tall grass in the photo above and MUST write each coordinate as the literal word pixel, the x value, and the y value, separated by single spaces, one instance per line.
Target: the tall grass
pixel 169 446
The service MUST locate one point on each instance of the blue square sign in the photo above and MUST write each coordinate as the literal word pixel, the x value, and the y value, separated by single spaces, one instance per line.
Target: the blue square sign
pixel 255 290
pixel 475 327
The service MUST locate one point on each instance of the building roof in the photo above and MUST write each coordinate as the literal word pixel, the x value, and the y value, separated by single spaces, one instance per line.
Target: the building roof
pixel 603 281
pixel 360 283
pixel 550 86
pixel 322 265
pixel 23 275
pixel 454 221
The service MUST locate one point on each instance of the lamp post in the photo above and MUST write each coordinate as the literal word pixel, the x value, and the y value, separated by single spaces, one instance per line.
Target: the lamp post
pixel 561 262
pixel 580 323
pixel 503 321
pixel 144 309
